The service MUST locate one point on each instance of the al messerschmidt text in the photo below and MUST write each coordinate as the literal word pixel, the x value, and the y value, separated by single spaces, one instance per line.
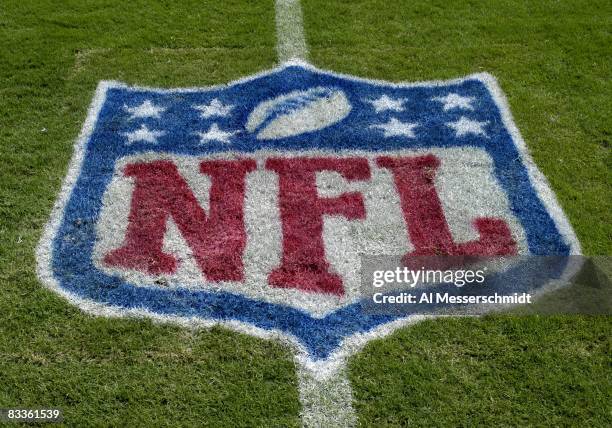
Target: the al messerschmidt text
pixel 403 298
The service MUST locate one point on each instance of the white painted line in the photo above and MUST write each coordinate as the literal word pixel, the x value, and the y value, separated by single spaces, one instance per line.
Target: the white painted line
pixel 290 41
pixel 326 402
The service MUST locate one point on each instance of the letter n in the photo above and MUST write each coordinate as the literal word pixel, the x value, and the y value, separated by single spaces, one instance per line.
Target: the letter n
pixel 217 240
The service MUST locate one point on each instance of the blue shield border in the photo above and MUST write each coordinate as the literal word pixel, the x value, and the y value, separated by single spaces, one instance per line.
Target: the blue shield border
pixel 318 340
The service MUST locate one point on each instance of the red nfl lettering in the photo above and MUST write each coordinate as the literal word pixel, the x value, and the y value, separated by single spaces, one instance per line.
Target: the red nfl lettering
pixel 218 238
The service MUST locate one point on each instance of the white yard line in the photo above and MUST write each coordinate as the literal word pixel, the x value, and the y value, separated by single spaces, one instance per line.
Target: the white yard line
pixel 290 41
pixel 326 402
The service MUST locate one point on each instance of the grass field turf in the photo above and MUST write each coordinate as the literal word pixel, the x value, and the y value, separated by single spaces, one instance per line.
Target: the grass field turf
pixel 552 60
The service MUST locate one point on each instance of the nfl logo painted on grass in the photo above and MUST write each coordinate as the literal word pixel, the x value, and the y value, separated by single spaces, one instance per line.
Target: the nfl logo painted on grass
pixel 249 204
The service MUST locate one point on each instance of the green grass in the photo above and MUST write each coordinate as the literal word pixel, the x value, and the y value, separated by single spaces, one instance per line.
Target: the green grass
pixel 553 61
pixel 499 371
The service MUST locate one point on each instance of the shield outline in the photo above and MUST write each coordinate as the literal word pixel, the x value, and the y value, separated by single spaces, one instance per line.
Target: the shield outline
pixel 320 367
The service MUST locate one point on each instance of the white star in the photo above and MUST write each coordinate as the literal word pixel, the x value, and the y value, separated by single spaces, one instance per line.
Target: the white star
pixel 215 108
pixel 146 109
pixel 466 126
pixel 452 101
pixel 387 103
pixel 143 134
pixel 215 134
pixel 395 127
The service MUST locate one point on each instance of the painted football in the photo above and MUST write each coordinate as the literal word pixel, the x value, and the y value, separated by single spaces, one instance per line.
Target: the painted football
pixel 298 112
